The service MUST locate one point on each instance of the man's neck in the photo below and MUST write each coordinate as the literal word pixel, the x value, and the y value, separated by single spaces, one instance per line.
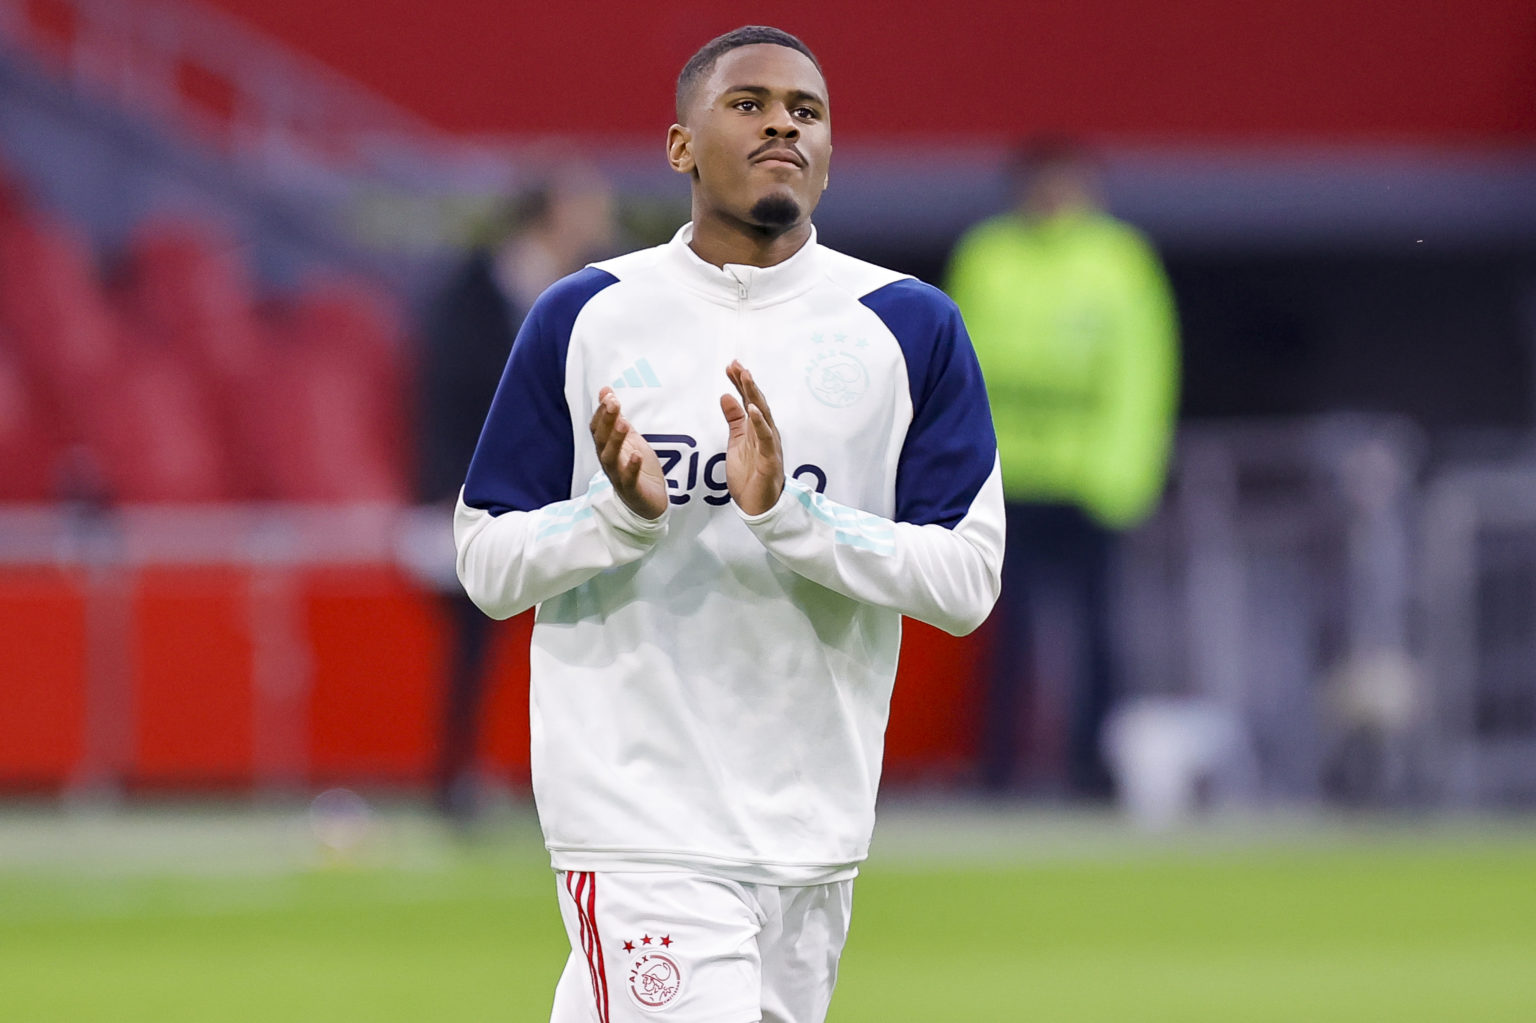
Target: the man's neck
pixel 720 242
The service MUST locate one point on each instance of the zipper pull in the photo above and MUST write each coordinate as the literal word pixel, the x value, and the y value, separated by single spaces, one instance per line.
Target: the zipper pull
pixel 742 276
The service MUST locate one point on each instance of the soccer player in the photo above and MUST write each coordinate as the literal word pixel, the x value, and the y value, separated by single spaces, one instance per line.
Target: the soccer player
pixel 721 581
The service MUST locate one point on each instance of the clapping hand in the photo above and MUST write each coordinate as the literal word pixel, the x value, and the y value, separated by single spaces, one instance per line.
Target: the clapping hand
pixel 754 457
pixel 628 459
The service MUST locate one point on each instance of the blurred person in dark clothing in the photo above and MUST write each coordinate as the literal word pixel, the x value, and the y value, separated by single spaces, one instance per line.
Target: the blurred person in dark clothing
pixel 1074 324
pixel 544 233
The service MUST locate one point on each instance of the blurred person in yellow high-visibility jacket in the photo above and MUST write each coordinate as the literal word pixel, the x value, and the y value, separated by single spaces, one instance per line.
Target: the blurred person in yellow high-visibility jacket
pixel 1074 323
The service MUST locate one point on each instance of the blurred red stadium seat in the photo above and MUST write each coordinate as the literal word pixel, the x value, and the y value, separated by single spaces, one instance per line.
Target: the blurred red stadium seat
pixel 192 290
pixel 190 293
pixel 63 345
pixel 356 320
pixel 326 440
pixel 155 435
pixel 334 404
pixel 52 306
pixel 179 390
pixel 29 442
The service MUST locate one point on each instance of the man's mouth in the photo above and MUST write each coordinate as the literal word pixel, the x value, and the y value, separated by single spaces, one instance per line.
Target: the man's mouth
pixel 779 154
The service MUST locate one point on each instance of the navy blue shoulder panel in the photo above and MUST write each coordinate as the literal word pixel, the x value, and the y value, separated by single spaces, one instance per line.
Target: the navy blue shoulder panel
pixel 524 458
pixel 950 447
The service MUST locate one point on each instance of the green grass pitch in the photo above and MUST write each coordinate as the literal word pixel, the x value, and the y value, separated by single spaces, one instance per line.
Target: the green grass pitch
pixel 173 916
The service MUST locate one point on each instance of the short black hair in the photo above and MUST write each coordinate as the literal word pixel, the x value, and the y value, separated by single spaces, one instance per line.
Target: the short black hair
pixel 702 63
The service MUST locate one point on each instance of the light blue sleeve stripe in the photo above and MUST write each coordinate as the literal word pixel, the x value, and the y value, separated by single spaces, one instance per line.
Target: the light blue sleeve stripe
pixel 564 516
pixel 850 527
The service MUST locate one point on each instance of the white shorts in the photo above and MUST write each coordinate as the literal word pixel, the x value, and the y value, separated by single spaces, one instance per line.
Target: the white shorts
pixel 696 949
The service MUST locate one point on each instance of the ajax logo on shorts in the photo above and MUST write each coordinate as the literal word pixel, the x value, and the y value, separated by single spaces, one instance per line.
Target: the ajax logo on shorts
pixel 655 979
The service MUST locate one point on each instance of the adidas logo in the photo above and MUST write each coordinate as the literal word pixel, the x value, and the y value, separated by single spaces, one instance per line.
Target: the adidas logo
pixel 638 375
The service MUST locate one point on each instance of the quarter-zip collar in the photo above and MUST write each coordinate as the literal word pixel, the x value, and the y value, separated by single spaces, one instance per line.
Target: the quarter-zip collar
pixel 738 282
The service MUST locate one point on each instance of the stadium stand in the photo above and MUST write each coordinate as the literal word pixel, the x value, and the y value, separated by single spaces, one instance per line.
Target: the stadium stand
pixel 26 437
pixel 333 400
pixel 186 335
pixel 190 294
pixel 178 381
pixel 174 380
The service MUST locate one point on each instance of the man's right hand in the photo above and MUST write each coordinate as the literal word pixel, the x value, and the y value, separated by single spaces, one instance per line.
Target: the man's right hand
pixel 627 458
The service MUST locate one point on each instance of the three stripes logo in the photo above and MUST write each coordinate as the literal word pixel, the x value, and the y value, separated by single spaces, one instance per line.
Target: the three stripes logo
pixel 640 374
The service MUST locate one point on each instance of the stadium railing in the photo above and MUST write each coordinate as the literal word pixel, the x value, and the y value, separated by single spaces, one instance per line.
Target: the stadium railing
pixel 1478 588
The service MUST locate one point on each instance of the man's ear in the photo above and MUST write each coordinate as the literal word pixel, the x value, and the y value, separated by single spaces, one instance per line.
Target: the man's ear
pixel 680 149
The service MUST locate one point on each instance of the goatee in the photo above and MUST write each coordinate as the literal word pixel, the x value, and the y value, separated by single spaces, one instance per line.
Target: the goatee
pixel 775 211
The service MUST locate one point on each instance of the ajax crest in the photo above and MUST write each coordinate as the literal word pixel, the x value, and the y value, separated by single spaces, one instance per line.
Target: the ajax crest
pixel 835 375
pixel 654 980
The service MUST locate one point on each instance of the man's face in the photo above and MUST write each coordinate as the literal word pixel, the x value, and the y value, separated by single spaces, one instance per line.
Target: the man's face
pixel 758 138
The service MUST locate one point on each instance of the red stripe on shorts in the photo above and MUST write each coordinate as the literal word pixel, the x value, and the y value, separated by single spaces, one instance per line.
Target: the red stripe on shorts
pixel 588 935
pixel 597 948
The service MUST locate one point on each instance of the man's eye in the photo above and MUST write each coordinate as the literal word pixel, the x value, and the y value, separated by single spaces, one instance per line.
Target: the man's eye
pixel 746 104
pixel 806 113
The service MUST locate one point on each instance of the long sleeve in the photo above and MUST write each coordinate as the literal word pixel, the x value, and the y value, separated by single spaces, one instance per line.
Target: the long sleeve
pixel 510 562
pixel 522 536
pixel 939 559
pixel 945 577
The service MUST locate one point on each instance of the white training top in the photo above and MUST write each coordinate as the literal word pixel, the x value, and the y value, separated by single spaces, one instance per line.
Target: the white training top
pixel 710 690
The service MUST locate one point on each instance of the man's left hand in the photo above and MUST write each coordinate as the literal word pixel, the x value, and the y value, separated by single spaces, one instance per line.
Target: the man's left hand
pixel 754 458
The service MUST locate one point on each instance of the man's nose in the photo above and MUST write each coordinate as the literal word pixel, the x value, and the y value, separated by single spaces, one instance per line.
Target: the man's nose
pixel 781 125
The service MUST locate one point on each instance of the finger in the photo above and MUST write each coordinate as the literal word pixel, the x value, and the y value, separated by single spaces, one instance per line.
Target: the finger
pixel 605 415
pixel 602 429
pixel 629 471
pixel 754 394
pixel 734 371
pixel 738 423
pixel 609 455
pixel 735 415
pixel 737 373
pixel 762 426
